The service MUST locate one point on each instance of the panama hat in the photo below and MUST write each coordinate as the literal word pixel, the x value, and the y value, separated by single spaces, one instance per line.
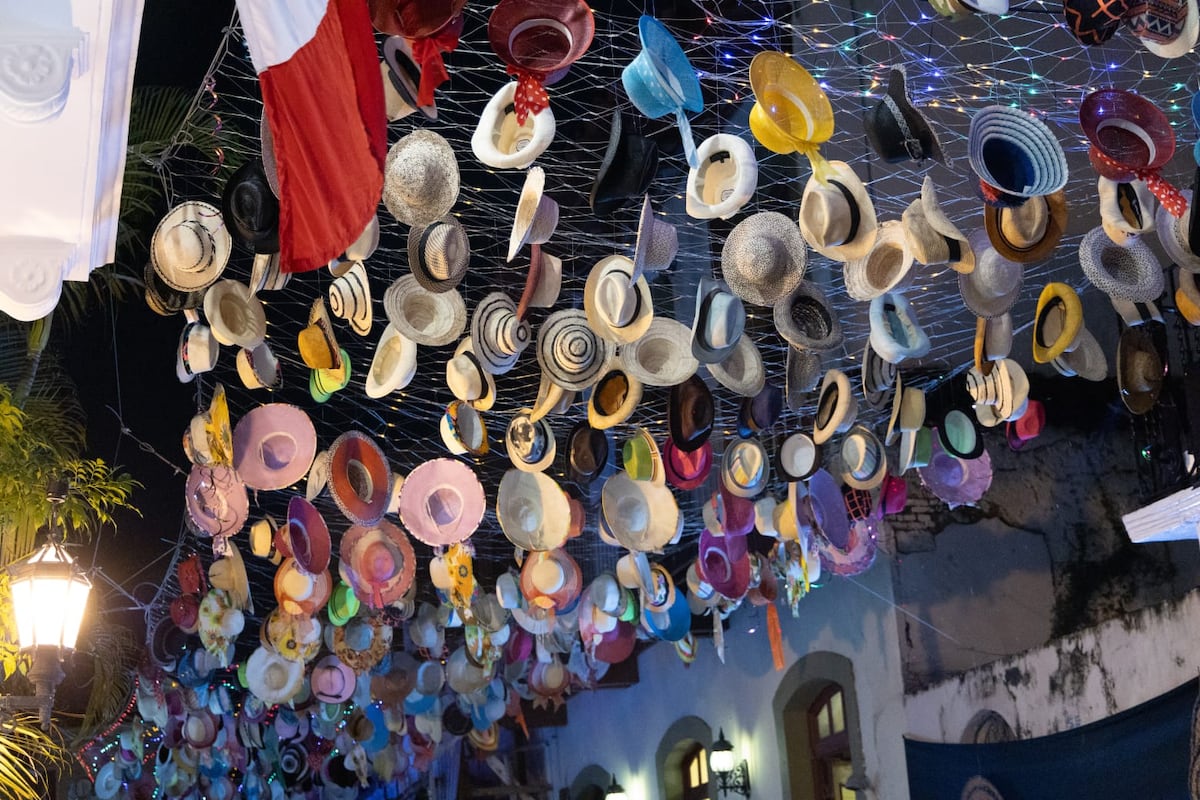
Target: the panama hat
pixel 216 500
pixel 1129 272
pixel 660 80
pixel 896 130
pixel 536 38
pixel 662 356
pixel 742 371
pixel 272 678
pixel 1087 360
pixel 993 340
pixel 932 238
pixel 629 165
pixel 318 476
pixel 420 178
pixel 551 579
pixel 884 268
pixel 791 112
pixel 1173 235
pixel 864 461
pixel 802 374
pixel 501 141
pixel 379 562
pixel 718 323
pixel 1168 30
pixel 250 208
pixel 725 179
pixel 190 246
pixel 1004 389
pixel 837 217
pixel 836 407
pixel 915 449
pixel 360 479
pixel 641 515
pixel 235 314
pixel 536 215
pixel 1140 370
pixel 401 81
pixel 614 398
pixel 273 446
pixel 877 377
pixel 257 367
pixel 551 398
pixel 262 540
pixel 425 317
pixel 394 364
pixel 690 414
pixel 798 458
pixel 543 282
pixel 619 307
pixel 532 510
pixel 764 258
pixel 317 342
pixel 1057 323
pixel 641 457
pixel 266 275
pixel 467 378
pixel 908 411
pixel 570 353
pixel 805 319
pixel 657 242
pixel 587 453
pixel 463 429
pixel 1014 153
pixel 995 284
pixel 745 468
pixel 530 444
pixel 197 352
pixel 441 502
pixel 439 253
pixel 896 334
pixel 350 298
pixel 1127 208
pixel 1030 232
pixel 323 383
pixel 497 333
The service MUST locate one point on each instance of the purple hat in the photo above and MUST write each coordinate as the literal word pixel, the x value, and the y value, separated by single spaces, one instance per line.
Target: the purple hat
pixel 856 557
pixel 216 500
pixel 308 535
pixel 442 502
pixel 737 513
pixel 332 681
pixel 829 509
pixel 956 481
pixel 725 563
pixel 273 446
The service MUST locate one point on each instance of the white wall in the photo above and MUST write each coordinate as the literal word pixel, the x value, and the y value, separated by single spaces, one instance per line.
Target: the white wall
pixel 620 730
pixel 1075 680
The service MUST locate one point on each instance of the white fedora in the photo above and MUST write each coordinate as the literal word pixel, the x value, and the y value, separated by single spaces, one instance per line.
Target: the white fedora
pixel 662 356
pixel 618 307
pixel 886 267
pixel 836 407
pixel 741 372
pixel 837 217
pixel 718 323
pixel 467 378
pixel 932 237
pixel 428 318
pixel 500 141
pixel 896 334
pixel 394 364
pixel 236 315
pixel 1127 210
pixel 401 79
pixel 536 216
pixel 724 181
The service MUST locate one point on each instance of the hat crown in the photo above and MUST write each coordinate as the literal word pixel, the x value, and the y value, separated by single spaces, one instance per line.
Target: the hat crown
pixel 1026 224
pixel 188 246
pixel 825 210
pixel 995 275
pixel 726 320
pixel 617 301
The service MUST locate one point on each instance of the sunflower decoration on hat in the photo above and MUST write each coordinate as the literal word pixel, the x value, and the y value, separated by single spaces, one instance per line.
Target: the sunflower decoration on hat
pixel 791 113
pixel 429 28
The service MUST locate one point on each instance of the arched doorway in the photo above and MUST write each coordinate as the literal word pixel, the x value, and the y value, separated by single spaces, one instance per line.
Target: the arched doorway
pixel 681 761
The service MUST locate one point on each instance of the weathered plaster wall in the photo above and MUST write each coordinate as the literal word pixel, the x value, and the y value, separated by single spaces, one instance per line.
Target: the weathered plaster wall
pixel 1078 679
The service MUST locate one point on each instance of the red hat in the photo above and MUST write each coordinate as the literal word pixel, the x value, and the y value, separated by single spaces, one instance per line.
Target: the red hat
pixel 686 470
pixel 1028 426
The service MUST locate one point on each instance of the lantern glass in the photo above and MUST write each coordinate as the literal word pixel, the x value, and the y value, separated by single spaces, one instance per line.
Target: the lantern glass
pixel 720 758
pixel 49 595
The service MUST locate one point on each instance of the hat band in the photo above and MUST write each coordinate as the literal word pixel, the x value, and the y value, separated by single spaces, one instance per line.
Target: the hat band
pixel 911 143
pixel 855 216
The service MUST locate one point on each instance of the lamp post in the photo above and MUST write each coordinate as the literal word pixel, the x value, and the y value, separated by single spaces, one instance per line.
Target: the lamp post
pixel 730 778
pixel 49 597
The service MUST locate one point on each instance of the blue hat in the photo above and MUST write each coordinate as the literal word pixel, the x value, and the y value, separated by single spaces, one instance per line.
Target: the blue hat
pixel 1016 153
pixel 661 80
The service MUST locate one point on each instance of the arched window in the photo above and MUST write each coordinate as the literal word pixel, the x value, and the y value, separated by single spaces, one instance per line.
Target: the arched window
pixel 694 773
pixel 829 743
pixel 681 761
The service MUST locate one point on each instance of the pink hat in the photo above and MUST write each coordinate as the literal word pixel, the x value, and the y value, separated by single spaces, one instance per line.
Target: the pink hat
pixel 686 470
pixel 332 681
pixel 442 502
pixel 308 536
pixel 185 613
pixel 956 481
pixel 273 446
pixel 737 517
pixel 724 563
pixel 379 562
pixel 217 502
pixel 856 557
pixel 617 645
pixel 893 495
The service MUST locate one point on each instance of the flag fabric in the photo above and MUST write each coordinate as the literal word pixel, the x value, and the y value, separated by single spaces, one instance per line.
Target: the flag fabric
pixel 318 68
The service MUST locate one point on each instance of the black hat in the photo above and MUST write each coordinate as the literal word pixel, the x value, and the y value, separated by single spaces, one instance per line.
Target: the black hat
pixel 587 453
pixel 251 209
pixel 761 411
pixel 690 414
pixel 629 165
pixel 164 300
pixel 896 130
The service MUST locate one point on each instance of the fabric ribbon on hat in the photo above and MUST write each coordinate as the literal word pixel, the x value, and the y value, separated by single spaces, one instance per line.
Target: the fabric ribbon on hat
pixel 820 167
pixel 1170 197
pixel 775 634
pixel 427 52
pixel 531 97
pixel 685 132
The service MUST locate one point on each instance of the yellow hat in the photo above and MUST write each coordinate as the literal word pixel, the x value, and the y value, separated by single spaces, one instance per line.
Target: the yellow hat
pixel 1058 322
pixel 1187 297
pixel 791 112
pixel 317 344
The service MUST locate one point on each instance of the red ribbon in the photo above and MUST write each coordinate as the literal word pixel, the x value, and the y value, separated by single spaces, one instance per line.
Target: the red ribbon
pixel 1170 197
pixel 427 52
pixel 531 96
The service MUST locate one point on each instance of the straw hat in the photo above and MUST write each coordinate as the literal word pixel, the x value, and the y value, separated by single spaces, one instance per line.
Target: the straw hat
pixel 216 500
pixel 798 458
pixel 837 217
pixel 463 429
pixel 394 364
pixel 1004 389
pixel 660 80
pixel 190 246
pixel 745 468
pixel 836 407
pixel 993 340
pixel 266 274
pixel 741 372
pixel 257 367
pixel 420 178
pixel 877 377
pixel 439 253
pixel 323 383
pixel 501 141
pixel 272 678
pixel 1030 232
pixel 536 215
pixel 360 479
pixel 1127 209
pixel 350 298
pixel 895 332
pixel 1173 235
pixel 764 258
pixel 235 314
pixel 885 267
pixel 425 317
pixel 803 373
pixel 864 461
pixel 1187 296
pixel 379 562
pixel 467 378
pixel 995 284
pixel 718 323
pixel 530 444
pixel 629 165
pixel 1087 360
pixel 532 510
pixel 657 242
pixel 197 352
pixel 806 320
pixel 618 307
pixel 641 515
pixel 932 238
pixel 441 502
pixel 1140 370
pixel 613 400
pixel 1057 323
pixel 498 333
pixel 791 111
pixel 724 181
pixel 1015 153
pixel 1129 272
pixel 896 129
pixel 662 356
pixel 401 81
pixel 570 353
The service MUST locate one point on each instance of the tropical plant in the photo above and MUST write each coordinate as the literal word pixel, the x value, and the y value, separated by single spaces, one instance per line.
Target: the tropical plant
pixel 28 756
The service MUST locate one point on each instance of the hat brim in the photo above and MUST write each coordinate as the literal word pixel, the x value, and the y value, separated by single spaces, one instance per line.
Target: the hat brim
pixel 258 464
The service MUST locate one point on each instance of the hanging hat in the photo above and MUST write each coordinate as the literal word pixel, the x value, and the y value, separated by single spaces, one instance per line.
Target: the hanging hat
pixel 501 141
pixel 742 371
pixel 662 356
pixel 359 477
pixel 657 242
pixel 190 246
pixel 613 400
pixel 250 208
pixel 441 502
pixel 1094 22
pixel 1173 235
pixel 993 340
pixel 463 429
pixel 402 78
pixel 896 333
pixel 316 341
pixel 1027 427
pixel 803 373
pixel 885 268
pixel 629 165
pixel 413 19
pixel 1015 153
pixel 1057 323
pixel 323 383
pixel 308 536
pixel 896 129
pixel 1030 232
pixel 1130 138
pixel 587 453
pixel 864 462
pixel 725 179
pixel 272 678
pixel 1004 390
pixel 530 444
pixel 837 217
pixel 425 317
pixel 532 510
pixel 1167 29
pixel 877 377
pixel 394 364
pixel 262 540
pixel 806 320
pixel 216 500
pixel 165 301
pixel 198 351
pixel 959 435
pixel 791 112
pixel 498 335
pixel 551 579
pixel 350 298
pixel 915 449
pixel 569 351
pixel 764 258
pixel 536 215
pixel 724 562
pixel 1130 272
pixel 995 284
pixel 1087 360
pixel 420 178
pixel 855 557
pixel 829 513
pixel 836 408
pixel 954 480
pixel 642 515
pixel 686 470
pixel 719 320
pixel 273 446
pixel 543 282
pixel 661 80
pixel 618 307
pixel 1187 296
pixel 393 686
pixel 760 412
pixel 798 458
pixel 343 603
pixel 259 368
pixel 266 275
pixel 235 314
pixel 467 378
pixel 379 562
pixel 1127 209
pixel 331 680
pixel 690 414
pixel 536 38
pixel 908 411
pixel 745 468
pixel 1140 369
pixel 439 253
pixel 932 238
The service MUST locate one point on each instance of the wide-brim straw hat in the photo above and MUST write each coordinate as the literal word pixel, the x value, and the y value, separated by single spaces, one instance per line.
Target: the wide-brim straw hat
pixel 742 371
pixel 1140 369
pixel 1029 233
pixel 272 678
pixel 662 356
pixel 191 246
pixel 570 353
pixel 501 141
pixel 806 320
pixel 995 284
pixel 442 502
pixel 885 267
pixel 439 253
pixel 273 446
pixel 641 515
pixel 1014 152
pixel 618 307
pixel 532 510
pixel 425 317
pixel 1129 272
pixel 933 238
pixel 420 178
pixel 725 180
pixel 764 258
pixel 896 334
pixel 837 216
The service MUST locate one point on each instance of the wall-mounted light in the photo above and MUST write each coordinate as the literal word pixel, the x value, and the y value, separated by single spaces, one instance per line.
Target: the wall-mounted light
pixel 731 778
pixel 615 792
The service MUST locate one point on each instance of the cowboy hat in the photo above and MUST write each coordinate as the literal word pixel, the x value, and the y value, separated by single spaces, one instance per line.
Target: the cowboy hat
pixel 837 217
pixel 662 356
pixel 439 253
pixel 425 317
pixel 350 298
pixel 718 323
pixel 570 353
pixel 886 267
pixel 190 246
pixel 441 502
pixel 532 510
pixel 791 112
pixel 764 258
pixel 932 238
pixel 394 364
pixel 660 80
pixel 742 371
pixel 1015 153
pixel 629 164
pixel 250 208
pixel 896 129
pixel 536 215
pixel 896 334
pixel 420 178
pixel 806 320
pixel 836 407
pixel 501 141
pixel 235 314
pixel 273 446
pixel 724 181
pixel 530 444
pixel 1129 272
pixel 618 306
pixel 995 284
pixel 1127 209
pixel 467 378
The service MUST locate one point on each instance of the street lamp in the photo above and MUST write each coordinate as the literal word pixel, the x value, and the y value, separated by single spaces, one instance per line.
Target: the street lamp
pixel 730 778
pixel 49 597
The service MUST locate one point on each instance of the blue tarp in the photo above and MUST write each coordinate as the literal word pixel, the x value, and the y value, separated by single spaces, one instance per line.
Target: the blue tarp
pixel 1139 754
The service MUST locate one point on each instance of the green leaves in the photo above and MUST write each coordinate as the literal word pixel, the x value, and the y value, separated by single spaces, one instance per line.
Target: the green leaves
pixel 27 756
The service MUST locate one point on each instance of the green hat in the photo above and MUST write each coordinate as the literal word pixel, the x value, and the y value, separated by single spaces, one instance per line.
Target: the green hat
pixel 322 383
pixel 642 459
pixel 632 608
pixel 343 604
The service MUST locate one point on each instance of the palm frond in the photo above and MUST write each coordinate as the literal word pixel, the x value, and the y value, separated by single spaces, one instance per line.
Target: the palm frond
pixel 115 653
pixel 28 758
